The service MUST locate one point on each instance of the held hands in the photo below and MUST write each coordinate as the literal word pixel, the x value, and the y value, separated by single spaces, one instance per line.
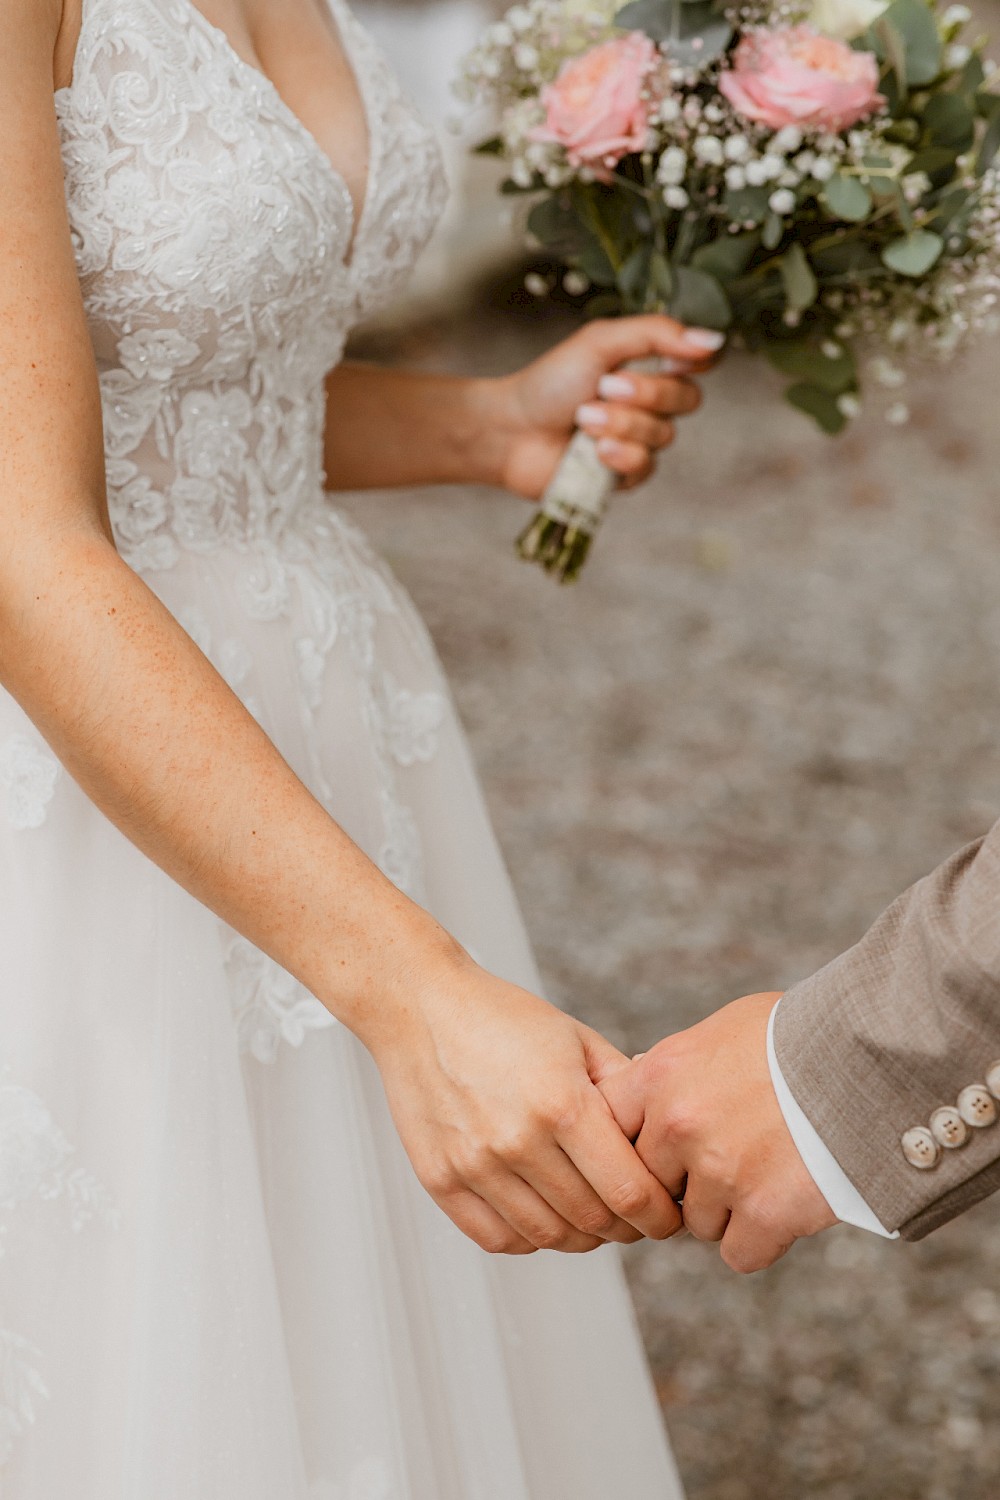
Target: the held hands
pixel 702 1111
pixel 494 1094
pixel 580 383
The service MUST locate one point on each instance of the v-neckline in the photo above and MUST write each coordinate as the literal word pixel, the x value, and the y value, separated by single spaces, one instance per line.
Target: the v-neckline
pixel 357 212
pixel 357 215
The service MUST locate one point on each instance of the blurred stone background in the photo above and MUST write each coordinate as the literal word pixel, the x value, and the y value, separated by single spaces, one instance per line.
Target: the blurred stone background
pixel 771 704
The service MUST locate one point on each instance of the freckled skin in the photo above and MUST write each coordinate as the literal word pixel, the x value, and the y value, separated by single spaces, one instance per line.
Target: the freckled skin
pixel 161 745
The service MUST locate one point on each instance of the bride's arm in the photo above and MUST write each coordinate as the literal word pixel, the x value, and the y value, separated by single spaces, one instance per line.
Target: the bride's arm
pixel 490 1087
pixel 389 428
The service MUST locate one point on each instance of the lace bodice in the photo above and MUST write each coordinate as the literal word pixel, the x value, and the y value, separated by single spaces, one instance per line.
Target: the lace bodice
pixel 222 268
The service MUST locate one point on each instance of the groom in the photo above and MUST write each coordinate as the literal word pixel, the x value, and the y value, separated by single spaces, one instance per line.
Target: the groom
pixel 867 1094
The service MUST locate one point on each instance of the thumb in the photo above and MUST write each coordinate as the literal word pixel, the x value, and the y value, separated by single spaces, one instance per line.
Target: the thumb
pixel 621 1083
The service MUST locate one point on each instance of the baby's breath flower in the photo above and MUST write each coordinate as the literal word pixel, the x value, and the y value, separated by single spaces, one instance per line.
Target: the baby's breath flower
pixel 708 148
pixel 956 56
pixel 673 166
pixel 787 141
pixel 536 284
pixel 782 201
pixel 823 169
pixel 898 414
pixel 736 147
pixel 848 405
pixel 676 197
pixel 736 178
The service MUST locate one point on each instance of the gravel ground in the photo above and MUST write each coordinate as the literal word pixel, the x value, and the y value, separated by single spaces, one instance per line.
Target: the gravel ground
pixel 770 706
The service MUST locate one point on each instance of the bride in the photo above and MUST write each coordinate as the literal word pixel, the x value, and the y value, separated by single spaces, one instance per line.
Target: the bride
pixel 253 910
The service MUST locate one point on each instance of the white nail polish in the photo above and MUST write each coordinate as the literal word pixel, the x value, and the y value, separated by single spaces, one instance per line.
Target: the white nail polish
pixel 591 415
pixel 607 448
pixel 615 387
pixel 704 338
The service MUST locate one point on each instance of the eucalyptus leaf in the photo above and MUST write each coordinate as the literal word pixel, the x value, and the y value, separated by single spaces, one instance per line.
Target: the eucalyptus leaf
pixel 847 198
pixel 556 225
pixel 848 257
pixel 949 121
pixel 906 36
pixel 632 279
pixel 747 205
pixel 818 404
pixel 801 286
pixel 973 75
pixel 808 364
pixel 934 160
pixel 728 256
pixel 695 31
pixel 596 264
pixel 914 254
pixel 699 300
pixel 988 146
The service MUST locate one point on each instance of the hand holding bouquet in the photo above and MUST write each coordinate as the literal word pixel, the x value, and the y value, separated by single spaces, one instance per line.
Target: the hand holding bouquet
pixel 816 180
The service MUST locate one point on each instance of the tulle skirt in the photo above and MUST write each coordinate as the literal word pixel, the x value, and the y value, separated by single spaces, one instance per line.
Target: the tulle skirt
pixel 220 1279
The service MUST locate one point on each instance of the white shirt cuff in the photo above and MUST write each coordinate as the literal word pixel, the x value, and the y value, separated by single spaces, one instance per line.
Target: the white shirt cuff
pixel 824 1169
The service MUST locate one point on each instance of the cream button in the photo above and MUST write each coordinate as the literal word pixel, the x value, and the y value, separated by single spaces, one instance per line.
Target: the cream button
pixel 993 1079
pixel 977 1106
pixel 920 1148
pixel 948 1128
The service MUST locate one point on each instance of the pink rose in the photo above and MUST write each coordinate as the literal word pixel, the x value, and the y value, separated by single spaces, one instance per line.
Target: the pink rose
pixel 596 107
pixel 797 77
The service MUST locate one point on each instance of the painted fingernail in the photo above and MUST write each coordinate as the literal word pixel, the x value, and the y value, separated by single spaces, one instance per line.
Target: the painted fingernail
pixel 614 387
pixel 674 366
pixel 704 338
pixel 591 415
pixel 608 448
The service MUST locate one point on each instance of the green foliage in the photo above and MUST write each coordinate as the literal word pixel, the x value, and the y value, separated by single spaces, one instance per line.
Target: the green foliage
pixel 801 286
pixel 949 122
pixel 906 38
pixel 699 299
pixel 727 257
pixel 807 364
pixel 847 198
pixel 913 254
pixel 818 404
pixel 696 30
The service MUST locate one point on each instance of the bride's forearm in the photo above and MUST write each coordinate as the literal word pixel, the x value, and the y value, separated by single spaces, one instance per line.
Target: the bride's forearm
pixel 153 735
pixel 395 428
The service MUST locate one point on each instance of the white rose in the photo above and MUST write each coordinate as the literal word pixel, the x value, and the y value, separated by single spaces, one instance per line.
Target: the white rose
pixel 845 19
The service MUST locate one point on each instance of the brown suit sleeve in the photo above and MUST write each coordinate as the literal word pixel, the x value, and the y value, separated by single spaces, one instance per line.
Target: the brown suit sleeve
pixel 897 1027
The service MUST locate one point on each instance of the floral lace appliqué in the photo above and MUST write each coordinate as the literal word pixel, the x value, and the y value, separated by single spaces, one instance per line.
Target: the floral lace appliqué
pixel 21 1389
pixel 28 778
pixel 270 1006
pixel 36 1161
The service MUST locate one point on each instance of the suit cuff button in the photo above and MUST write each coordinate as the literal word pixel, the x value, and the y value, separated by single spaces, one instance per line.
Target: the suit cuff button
pixel 948 1128
pixel 977 1106
pixel 920 1148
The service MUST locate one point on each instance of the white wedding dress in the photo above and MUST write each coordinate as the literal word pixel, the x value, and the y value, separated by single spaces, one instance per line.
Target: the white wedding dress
pixel 219 1278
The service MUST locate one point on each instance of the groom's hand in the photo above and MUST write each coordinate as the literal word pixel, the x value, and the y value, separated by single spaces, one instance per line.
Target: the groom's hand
pixel 702 1111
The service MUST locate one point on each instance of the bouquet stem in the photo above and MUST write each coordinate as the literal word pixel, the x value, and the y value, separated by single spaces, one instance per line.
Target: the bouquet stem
pixel 574 505
pixel 570 512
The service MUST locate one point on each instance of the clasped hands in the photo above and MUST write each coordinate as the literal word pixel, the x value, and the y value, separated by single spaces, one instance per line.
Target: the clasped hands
pixel 702 1112
pixel 531 1131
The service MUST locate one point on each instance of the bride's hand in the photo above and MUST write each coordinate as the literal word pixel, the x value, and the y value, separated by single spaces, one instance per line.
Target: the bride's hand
pixel 494 1094
pixel 580 383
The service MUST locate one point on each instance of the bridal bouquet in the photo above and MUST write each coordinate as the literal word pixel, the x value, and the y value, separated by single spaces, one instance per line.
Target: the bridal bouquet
pixel 813 178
